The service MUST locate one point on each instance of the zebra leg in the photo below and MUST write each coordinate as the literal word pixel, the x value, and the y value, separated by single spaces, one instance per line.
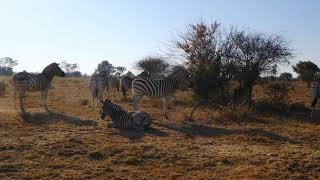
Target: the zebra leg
pixel 313 106
pixel 165 103
pixel 45 100
pixel 41 99
pixel 21 104
pixel 124 94
pixel 136 101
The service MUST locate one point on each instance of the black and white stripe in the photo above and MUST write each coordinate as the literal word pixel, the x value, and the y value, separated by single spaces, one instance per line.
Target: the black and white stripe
pixel 97 84
pixel 126 81
pixel 24 81
pixel 125 120
pixel 165 88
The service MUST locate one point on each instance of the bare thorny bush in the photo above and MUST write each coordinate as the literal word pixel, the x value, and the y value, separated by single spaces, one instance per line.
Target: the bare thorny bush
pixel 215 57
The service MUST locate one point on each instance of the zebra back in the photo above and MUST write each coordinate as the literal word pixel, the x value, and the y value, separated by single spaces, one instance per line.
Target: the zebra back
pixel 123 119
pixel 178 79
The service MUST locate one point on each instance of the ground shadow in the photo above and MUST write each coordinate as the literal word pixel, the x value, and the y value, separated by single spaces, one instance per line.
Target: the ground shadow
pixel 52 117
pixel 135 135
pixel 192 130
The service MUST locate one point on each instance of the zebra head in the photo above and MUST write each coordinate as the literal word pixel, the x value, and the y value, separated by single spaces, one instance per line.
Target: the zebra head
pixel 54 70
pixel 105 108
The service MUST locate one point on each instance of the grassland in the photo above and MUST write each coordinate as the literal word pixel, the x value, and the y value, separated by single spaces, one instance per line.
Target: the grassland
pixel 72 143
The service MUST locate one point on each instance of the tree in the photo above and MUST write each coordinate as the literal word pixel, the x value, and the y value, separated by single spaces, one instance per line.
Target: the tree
pixel 120 70
pixel 206 55
pixel 255 54
pixel 6 65
pixel 154 65
pixel 105 68
pixel 286 76
pixel 69 68
pixel 130 74
pixel 307 71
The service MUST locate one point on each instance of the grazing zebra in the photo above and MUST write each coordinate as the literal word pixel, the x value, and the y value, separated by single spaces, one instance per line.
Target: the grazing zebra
pixel 126 81
pixel 165 88
pixel 24 81
pixel 125 120
pixel 97 85
pixel 315 96
pixel 112 83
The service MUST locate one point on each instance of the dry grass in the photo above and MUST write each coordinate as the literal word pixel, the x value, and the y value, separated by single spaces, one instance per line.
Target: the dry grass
pixel 71 142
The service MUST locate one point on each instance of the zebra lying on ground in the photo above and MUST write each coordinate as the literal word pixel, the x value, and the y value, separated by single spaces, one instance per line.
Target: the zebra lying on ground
pixel 125 120
pixel 97 85
pixel 24 81
pixel 126 81
pixel 315 97
pixel 165 88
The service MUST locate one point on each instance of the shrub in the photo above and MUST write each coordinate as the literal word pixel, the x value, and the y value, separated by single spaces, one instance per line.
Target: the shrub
pixel 277 92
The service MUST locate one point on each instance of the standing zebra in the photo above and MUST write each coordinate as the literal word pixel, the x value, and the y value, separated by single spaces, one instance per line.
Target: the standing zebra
pixel 315 96
pixel 126 81
pixel 165 88
pixel 24 81
pixel 97 85
pixel 122 119
pixel 112 83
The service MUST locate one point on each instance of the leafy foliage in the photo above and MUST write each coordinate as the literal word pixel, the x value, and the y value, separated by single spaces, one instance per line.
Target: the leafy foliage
pixel 286 76
pixel 307 71
pixel 154 65
pixel 6 65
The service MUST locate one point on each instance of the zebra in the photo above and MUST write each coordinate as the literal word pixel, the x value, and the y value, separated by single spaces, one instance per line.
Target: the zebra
pixel 315 97
pixel 112 84
pixel 97 85
pixel 137 120
pixel 179 79
pixel 126 81
pixel 24 81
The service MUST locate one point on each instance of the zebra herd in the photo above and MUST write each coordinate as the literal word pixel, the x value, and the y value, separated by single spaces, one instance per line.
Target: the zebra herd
pixel 142 85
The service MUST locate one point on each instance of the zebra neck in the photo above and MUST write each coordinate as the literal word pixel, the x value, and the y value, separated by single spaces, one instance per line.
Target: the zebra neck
pixel 174 81
pixel 49 75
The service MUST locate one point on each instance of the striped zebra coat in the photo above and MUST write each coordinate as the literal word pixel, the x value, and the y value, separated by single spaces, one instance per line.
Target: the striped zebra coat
pixel 24 81
pixel 126 81
pixel 179 79
pixel 125 120
pixel 97 84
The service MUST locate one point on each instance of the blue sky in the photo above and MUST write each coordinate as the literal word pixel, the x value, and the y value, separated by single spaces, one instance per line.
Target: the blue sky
pixel 37 32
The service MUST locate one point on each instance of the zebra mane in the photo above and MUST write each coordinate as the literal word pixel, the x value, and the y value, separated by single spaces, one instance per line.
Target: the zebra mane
pixel 177 69
pixel 50 67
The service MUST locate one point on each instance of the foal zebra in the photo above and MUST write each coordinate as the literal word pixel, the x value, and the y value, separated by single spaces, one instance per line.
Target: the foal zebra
pixel 126 81
pixel 165 88
pixel 24 81
pixel 122 119
pixel 97 85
